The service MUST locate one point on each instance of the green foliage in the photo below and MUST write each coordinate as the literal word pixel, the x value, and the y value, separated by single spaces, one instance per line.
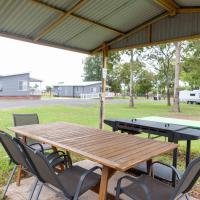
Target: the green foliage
pixel 191 64
pixel 145 83
pixel 92 68
pixel 161 59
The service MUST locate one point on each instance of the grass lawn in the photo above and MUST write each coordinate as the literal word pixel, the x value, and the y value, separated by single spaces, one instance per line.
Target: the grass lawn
pixel 90 116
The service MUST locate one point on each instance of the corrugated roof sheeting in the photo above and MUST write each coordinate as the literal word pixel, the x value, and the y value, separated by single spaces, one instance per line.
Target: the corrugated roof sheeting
pixel 61 4
pixel 189 3
pixel 124 19
pixel 134 39
pixel 181 25
pixel 170 28
pixel 91 38
pixel 98 9
pixel 69 28
pixel 24 17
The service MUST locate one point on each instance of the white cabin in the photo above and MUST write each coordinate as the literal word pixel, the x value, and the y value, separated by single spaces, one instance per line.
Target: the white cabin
pixel 189 96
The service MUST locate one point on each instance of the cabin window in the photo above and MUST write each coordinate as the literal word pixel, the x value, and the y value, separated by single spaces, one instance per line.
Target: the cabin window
pixel 192 94
pixel 1 88
pixel 23 85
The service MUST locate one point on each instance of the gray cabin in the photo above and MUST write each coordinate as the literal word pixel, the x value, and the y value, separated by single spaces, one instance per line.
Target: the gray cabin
pixel 20 86
pixel 76 90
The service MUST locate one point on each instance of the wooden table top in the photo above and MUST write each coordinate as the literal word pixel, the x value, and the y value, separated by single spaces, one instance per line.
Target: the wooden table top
pixel 118 151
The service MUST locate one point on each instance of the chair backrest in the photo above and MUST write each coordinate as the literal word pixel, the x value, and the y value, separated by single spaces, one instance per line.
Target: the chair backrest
pixel 189 177
pixel 25 119
pixel 14 150
pixel 45 171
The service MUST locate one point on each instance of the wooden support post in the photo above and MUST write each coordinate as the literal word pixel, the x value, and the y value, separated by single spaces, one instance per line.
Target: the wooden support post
pixel 103 86
pixel 131 100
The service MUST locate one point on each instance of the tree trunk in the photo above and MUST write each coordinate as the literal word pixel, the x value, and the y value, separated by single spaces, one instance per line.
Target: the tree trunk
pixel 131 101
pixel 168 93
pixel 176 105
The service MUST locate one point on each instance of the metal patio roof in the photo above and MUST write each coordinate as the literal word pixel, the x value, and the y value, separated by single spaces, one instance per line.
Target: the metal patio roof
pixel 85 25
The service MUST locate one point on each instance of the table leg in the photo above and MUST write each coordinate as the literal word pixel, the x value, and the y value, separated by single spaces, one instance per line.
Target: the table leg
pixel 149 163
pixel 188 149
pixel 19 174
pixel 20 170
pixel 106 174
pixel 175 157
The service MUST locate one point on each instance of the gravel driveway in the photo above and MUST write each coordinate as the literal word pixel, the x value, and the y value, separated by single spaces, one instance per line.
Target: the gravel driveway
pixel 10 104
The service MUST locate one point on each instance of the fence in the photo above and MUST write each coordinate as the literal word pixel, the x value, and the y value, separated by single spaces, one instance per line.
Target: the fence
pixel 96 95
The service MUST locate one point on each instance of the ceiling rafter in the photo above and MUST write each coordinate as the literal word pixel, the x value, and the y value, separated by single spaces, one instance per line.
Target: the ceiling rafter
pixel 75 16
pixel 169 5
pixel 59 20
pixel 188 10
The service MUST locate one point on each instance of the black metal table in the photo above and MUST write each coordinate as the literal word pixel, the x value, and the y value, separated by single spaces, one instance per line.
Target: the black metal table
pixel 173 132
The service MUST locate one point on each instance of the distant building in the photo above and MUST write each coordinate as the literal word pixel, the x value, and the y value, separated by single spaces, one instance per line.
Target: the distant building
pixel 19 86
pixel 89 89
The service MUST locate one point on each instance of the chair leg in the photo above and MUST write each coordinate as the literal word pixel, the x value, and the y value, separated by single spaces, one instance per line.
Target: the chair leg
pixel 187 197
pixel 9 181
pixel 39 191
pixel 32 189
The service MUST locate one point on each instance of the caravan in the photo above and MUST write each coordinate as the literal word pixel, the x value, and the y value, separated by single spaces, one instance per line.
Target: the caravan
pixel 190 96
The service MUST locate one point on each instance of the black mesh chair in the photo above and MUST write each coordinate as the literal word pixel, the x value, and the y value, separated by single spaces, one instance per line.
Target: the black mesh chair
pixel 17 156
pixel 147 188
pixel 28 119
pixel 73 181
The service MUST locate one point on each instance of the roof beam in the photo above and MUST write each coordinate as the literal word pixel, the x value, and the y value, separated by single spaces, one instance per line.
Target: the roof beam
pixel 133 31
pixel 188 10
pixel 59 20
pixel 78 17
pixel 169 5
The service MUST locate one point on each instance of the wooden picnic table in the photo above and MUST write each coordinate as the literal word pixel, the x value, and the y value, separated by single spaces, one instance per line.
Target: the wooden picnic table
pixel 113 151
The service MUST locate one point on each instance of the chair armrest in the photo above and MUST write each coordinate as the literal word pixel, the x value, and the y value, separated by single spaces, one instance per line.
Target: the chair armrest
pixel 56 159
pixel 137 182
pixel 40 145
pixel 49 156
pixel 166 165
pixel 83 176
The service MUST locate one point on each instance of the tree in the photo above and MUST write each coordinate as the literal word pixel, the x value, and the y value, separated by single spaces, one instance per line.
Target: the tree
pixel 93 68
pixel 49 89
pixel 142 78
pixel 145 83
pixel 160 58
pixel 190 66
pixel 176 105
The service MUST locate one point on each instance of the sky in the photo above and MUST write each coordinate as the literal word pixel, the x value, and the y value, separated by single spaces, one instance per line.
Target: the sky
pixel 46 63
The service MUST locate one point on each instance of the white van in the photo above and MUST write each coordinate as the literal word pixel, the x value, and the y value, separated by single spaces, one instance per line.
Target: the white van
pixel 190 96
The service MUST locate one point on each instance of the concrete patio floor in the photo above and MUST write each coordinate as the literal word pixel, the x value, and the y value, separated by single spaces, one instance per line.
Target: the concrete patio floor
pixel 22 192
